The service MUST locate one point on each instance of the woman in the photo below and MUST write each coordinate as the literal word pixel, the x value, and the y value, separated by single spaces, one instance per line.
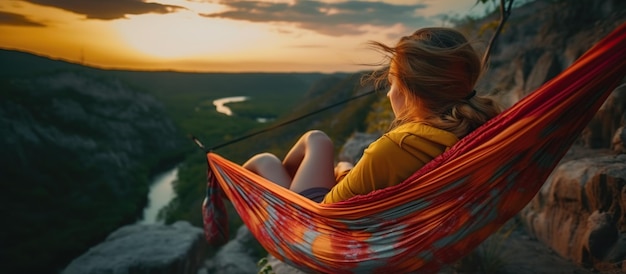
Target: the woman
pixel 431 74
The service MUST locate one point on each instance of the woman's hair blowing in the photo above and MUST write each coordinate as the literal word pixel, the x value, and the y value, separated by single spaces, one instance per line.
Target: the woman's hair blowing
pixel 437 70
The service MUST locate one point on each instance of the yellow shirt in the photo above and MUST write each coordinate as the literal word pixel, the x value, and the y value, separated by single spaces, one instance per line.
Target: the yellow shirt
pixel 391 159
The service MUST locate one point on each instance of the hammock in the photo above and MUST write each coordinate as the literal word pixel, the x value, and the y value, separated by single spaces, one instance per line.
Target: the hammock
pixel 443 211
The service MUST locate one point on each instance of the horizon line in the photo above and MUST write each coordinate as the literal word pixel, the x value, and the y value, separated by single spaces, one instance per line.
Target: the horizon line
pixel 111 68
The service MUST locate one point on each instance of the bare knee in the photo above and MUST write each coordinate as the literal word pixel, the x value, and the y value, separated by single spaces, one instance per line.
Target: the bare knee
pixel 317 139
pixel 270 167
pixel 261 162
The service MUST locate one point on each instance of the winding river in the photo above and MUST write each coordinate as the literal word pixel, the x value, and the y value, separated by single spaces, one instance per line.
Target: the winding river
pixel 220 104
pixel 161 189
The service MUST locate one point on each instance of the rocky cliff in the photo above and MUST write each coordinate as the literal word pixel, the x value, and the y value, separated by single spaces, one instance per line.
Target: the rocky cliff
pixel 580 211
pixel 540 40
pixel 142 248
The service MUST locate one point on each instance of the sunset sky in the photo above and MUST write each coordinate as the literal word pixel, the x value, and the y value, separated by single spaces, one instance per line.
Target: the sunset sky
pixel 231 36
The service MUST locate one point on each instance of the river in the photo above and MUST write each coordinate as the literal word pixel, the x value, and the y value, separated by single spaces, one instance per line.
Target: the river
pixel 220 104
pixel 160 194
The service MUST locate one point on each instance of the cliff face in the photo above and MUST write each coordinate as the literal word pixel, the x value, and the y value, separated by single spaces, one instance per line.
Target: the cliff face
pixel 76 155
pixel 540 40
pixel 579 213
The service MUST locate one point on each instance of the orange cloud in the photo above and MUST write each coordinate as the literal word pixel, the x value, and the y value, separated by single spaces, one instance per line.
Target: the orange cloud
pixel 107 9
pixel 14 19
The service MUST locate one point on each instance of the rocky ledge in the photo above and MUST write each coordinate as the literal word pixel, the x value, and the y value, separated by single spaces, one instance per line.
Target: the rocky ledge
pixel 145 249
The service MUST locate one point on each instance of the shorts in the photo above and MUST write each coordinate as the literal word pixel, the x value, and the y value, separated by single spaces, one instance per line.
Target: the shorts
pixel 315 194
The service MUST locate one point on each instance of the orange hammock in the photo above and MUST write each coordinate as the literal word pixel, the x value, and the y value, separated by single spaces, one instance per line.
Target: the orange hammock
pixel 443 211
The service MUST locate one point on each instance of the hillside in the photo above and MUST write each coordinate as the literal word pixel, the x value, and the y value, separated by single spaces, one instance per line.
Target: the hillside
pixel 77 152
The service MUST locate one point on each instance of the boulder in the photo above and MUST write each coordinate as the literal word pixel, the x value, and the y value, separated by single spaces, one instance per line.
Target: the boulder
pixel 543 69
pixel 618 144
pixel 235 257
pixel 581 211
pixel 608 123
pixel 142 248
pixel 352 149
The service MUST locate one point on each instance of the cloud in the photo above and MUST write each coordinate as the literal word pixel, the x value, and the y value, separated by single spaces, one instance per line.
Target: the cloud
pixel 107 9
pixel 334 19
pixel 14 19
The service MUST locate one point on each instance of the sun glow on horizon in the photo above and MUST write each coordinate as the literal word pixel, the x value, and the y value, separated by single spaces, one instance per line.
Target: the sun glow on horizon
pixel 65 35
pixel 183 34
pixel 186 33
pixel 182 39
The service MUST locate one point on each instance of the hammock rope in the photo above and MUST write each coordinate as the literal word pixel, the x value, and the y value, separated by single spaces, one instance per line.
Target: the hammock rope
pixel 444 210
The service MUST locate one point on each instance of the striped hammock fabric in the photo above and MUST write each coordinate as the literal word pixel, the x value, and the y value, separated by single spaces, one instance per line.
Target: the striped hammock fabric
pixel 443 211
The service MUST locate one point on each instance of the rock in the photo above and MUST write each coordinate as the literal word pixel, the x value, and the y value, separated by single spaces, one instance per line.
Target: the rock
pixel 141 248
pixel 235 257
pixel 618 144
pixel 602 234
pixel 605 125
pixel 581 211
pixel 537 46
pixel 521 254
pixel 352 149
pixel 542 70
pixel 279 267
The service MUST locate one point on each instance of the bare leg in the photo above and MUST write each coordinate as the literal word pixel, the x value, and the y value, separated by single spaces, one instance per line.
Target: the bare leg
pixel 311 162
pixel 270 167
